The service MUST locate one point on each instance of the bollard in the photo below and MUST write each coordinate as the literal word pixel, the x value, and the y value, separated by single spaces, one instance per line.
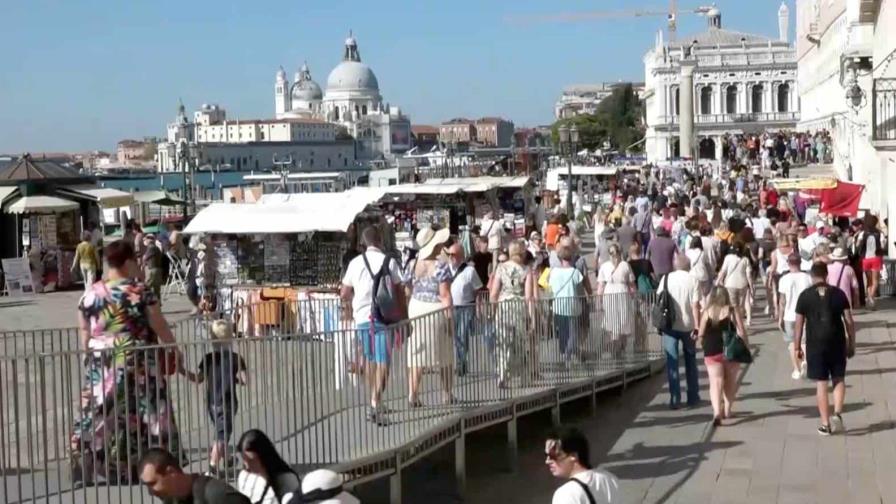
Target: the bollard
pixel 512 444
pixel 460 464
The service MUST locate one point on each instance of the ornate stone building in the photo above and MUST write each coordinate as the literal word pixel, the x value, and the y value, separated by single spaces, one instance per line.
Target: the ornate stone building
pixel 742 83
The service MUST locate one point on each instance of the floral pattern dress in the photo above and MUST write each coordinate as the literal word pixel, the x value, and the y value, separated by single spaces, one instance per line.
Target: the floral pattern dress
pixel 124 405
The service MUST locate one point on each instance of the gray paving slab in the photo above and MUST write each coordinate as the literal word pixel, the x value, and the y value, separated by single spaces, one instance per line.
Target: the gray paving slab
pixel 770 451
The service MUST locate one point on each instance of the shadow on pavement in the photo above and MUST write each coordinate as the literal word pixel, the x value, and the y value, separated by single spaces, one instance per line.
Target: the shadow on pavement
pixel 651 462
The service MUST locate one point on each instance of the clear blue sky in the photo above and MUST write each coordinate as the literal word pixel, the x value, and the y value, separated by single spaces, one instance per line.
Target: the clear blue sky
pixel 83 74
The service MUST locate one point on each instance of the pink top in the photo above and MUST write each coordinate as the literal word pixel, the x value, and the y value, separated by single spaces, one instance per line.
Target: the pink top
pixel 842 275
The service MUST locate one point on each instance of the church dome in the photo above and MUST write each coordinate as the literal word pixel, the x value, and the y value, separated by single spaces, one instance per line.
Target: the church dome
pixel 306 89
pixel 351 74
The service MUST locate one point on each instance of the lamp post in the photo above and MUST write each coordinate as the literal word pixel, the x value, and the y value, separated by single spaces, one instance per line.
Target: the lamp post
pixel 182 153
pixel 569 141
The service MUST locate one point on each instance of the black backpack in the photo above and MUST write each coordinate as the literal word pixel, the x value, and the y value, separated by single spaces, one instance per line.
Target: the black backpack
pixel 383 306
pixel 663 313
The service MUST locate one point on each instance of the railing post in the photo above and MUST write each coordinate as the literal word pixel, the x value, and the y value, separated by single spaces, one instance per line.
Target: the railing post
pixel 593 398
pixel 512 443
pixel 395 482
pixel 460 462
pixel 555 410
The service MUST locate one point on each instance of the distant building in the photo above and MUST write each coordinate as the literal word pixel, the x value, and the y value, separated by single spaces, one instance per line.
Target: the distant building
pixel 487 131
pixel 424 137
pixel 494 132
pixel 583 99
pixel 457 130
pixel 130 150
pixel 743 83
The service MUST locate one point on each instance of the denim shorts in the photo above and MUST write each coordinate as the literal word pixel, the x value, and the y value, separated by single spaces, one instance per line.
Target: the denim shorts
pixel 375 343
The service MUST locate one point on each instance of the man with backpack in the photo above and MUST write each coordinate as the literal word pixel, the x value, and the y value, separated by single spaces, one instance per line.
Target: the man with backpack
pixel 567 457
pixel 679 303
pixel 371 289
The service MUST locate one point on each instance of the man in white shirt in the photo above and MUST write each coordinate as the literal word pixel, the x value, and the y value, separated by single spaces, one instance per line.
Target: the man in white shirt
pixel 790 286
pixel 567 457
pixel 685 293
pixel 464 285
pixel 357 297
pixel 493 230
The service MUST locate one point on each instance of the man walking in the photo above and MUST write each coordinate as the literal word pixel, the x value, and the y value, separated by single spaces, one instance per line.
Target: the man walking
pixel 464 285
pixel 661 252
pixel 685 293
pixel 357 297
pixel 830 340
pixel 567 456
pixel 160 471
pixel 790 286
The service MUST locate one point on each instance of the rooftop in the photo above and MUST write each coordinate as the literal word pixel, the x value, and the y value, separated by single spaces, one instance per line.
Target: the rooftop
pixel 419 129
pixel 722 37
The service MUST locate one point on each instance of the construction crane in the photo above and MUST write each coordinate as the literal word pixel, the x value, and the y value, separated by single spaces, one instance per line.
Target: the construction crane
pixel 570 17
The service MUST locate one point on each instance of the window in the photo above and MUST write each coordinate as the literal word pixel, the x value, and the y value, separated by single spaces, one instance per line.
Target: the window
pixel 783 97
pixel 731 100
pixel 675 107
pixel 706 100
pixel 757 98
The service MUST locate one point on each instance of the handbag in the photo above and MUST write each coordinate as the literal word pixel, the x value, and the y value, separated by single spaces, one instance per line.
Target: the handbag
pixel 735 349
pixel 663 314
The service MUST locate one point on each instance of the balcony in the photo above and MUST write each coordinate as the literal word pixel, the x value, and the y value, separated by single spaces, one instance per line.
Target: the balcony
pixel 735 119
pixel 884 111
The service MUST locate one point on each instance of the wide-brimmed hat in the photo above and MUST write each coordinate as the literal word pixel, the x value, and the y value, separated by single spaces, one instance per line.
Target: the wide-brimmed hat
pixel 221 329
pixel 428 239
pixel 324 486
pixel 839 254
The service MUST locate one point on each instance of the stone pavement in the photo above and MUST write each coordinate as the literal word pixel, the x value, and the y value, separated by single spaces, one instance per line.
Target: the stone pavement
pixel 770 451
pixel 58 309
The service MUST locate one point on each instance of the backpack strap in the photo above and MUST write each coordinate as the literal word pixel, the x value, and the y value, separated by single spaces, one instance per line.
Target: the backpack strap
pixel 585 489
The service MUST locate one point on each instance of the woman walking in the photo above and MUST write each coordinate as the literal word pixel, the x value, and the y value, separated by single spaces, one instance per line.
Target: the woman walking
pixel 720 317
pixel 616 288
pixel 737 276
pixel 512 288
pixel 430 343
pixel 778 268
pixel 567 286
pixel 871 251
pixel 125 409
pixel 87 258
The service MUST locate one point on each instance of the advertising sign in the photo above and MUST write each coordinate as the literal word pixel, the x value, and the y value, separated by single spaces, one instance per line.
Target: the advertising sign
pixel 17 275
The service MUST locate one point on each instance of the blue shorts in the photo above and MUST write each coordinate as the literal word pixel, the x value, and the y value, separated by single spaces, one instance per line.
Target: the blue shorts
pixel 376 344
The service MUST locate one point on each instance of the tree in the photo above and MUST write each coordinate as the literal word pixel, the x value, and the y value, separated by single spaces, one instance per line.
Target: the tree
pixel 617 119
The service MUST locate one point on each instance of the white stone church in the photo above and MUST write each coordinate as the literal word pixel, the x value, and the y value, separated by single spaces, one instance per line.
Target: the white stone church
pixel 743 83
pixel 352 100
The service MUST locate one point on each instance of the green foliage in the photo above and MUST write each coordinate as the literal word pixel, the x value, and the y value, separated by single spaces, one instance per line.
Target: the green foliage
pixel 618 119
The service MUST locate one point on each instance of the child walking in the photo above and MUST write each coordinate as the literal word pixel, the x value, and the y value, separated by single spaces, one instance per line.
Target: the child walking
pixel 221 369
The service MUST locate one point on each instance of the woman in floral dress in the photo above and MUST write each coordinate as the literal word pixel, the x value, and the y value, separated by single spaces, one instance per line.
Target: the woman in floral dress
pixel 124 405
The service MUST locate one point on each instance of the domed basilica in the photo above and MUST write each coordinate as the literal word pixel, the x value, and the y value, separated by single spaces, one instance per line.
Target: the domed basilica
pixel 352 100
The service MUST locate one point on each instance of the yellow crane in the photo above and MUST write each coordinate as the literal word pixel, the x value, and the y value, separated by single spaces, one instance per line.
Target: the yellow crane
pixel 571 17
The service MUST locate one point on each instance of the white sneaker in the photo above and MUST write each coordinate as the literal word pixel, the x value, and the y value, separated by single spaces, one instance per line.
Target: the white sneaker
pixel 804 370
pixel 836 422
pixel 795 375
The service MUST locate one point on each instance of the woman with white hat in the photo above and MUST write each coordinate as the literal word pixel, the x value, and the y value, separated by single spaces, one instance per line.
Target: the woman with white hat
pixel 430 343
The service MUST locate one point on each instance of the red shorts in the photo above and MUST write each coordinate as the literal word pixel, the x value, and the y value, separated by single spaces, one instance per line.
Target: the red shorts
pixel 715 359
pixel 873 263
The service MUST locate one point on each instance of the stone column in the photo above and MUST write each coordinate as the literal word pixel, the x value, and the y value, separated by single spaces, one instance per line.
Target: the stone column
pixel 686 117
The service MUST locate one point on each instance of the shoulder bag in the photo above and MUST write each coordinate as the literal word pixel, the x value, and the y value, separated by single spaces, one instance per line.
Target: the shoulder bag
pixel 735 350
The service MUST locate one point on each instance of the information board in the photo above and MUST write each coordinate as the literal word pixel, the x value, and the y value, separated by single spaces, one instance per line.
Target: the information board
pixel 17 276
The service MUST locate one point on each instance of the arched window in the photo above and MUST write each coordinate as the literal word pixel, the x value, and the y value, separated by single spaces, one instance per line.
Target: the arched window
pixel 731 100
pixel 364 110
pixel 336 113
pixel 757 98
pixel 783 97
pixel 706 100
pixel 677 95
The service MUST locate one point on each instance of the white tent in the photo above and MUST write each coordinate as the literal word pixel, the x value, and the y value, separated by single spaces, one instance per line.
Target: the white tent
pixel 41 204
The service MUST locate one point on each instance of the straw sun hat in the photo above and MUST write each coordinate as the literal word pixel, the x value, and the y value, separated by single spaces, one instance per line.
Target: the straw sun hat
pixel 428 239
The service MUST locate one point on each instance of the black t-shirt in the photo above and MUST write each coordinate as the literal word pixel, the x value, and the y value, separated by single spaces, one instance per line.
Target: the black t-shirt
pixel 220 368
pixel 481 261
pixel 822 306
pixel 213 491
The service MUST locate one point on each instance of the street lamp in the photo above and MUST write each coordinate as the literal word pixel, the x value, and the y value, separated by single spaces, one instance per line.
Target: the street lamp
pixel 569 142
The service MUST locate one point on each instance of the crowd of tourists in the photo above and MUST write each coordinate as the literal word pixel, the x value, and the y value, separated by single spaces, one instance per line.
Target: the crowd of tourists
pixel 795 147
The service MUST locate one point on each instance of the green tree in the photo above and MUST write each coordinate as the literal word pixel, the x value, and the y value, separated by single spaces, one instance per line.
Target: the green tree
pixel 617 120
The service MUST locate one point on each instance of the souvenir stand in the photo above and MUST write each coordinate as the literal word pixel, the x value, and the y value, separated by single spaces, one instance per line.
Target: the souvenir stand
pixel 279 262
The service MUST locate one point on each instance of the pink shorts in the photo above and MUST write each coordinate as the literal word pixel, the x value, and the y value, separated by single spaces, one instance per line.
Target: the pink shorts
pixel 715 359
pixel 872 263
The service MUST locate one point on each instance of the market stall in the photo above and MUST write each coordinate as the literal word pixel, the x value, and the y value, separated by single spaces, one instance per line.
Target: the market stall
pixel 48 227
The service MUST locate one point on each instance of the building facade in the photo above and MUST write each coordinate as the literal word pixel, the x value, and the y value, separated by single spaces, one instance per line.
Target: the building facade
pixel 582 99
pixel 741 83
pixel 457 130
pixel 352 100
pixel 847 82
pixel 494 132
pixel 130 150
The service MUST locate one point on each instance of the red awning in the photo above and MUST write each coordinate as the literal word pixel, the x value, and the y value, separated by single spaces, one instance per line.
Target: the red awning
pixel 843 200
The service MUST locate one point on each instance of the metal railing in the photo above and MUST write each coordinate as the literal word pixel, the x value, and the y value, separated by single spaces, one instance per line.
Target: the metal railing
pixel 746 117
pixel 73 423
pixel 883 109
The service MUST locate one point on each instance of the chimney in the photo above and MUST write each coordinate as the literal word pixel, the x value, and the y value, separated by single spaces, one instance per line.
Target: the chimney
pixel 783 22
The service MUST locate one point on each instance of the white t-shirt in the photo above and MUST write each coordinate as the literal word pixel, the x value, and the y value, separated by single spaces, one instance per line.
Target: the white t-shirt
pixel 464 285
pixel 603 485
pixel 252 485
pixel 792 285
pixel 699 264
pixel 737 272
pixel 685 293
pixel 493 230
pixel 617 279
pixel 358 278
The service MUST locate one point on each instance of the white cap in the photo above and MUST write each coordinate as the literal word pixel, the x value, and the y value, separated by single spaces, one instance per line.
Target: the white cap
pixel 323 480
